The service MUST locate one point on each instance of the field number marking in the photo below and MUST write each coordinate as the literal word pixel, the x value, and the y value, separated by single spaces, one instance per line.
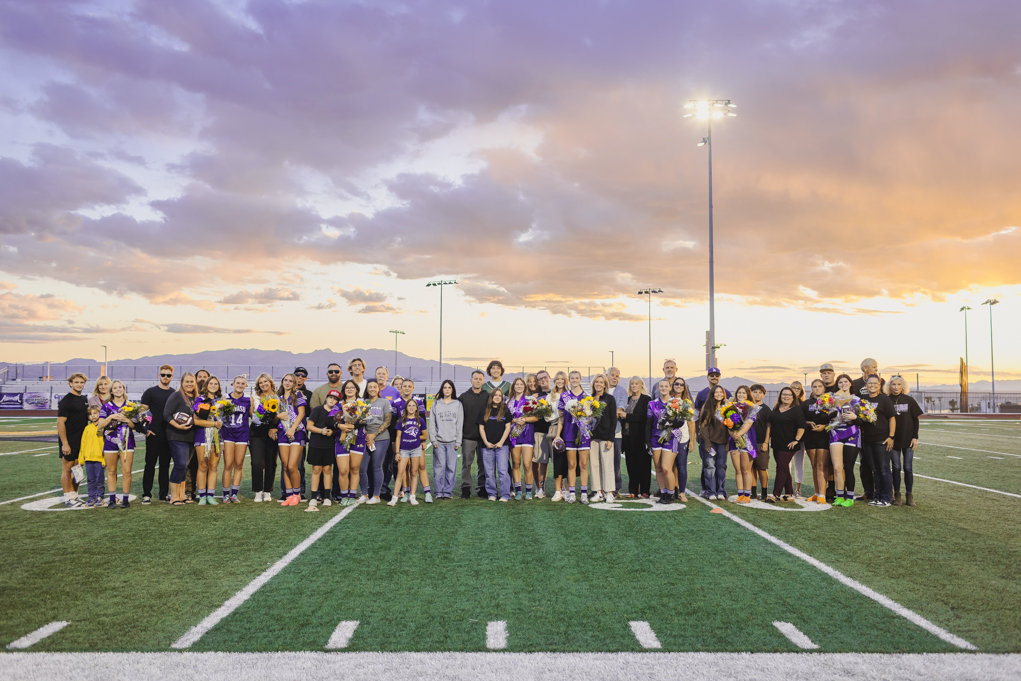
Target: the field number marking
pixel 804 505
pixel 496 635
pixel 342 635
pixel 646 636
pixel 795 636
pixel 886 602
pixel 36 636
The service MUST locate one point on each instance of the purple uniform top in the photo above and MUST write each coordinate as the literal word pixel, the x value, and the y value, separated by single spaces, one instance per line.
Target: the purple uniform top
pixel 572 428
pixel 116 431
pixel 750 437
pixel 289 413
pixel 358 447
pixel 236 427
pixel 526 438
pixel 844 431
pixel 656 410
pixel 411 433
pixel 391 393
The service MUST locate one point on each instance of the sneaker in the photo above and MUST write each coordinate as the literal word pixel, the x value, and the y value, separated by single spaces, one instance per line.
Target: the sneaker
pixel 88 504
pixel 466 492
pixel 505 499
pixel 481 494
pixel 875 503
pixel 609 497
pixel 258 497
pixel 428 497
pixel 234 499
pixel 312 506
pixel 363 498
pixel 557 496
pixel 597 497
pixel 712 497
pixel 541 494
pixel 884 504
pixel 413 501
pixel 570 497
pixel 202 501
pixel 373 500
pixel 327 502
pixel 392 502
pixel 492 498
pixel 517 496
pixel 146 499
pixel 292 500
pixel 584 499
pixel 405 497
pixel 124 502
pixel 211 501
pixel 528 496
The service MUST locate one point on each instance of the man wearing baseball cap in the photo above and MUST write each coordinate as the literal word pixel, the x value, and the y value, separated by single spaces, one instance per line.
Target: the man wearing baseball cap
pixel 829 377
pixel 708 463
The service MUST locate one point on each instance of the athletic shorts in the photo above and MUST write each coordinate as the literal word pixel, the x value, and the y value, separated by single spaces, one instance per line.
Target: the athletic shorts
pixel 849 436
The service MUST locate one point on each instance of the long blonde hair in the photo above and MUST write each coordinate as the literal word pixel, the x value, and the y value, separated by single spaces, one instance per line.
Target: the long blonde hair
pixel 904 387
pixel 293 399
pixel 258 391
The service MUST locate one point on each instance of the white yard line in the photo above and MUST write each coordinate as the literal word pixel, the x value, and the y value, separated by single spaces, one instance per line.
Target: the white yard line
pixel 955 457
pixel 1015 438
pixel 645 635
pixel 43 454
pixel 235 601
pixel 795 636
pixel 342 635
pixel 496 635
pixel 966 449
pixel 995 457
pixel 37 635
pixel 962 484
pixel 26 451
pixel 888 603
pixel 56 489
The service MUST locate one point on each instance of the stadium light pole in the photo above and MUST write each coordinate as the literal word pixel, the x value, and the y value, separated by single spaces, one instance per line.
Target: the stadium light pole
pixel 707 110
pixel 649 292
pixel 103 372
pixel 441 284
pixel 965 309
pixel 396 333
pixel 992 364
pixel 611 365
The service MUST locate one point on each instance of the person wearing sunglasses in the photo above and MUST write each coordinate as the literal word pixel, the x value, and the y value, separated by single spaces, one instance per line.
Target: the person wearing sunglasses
pixel 157 449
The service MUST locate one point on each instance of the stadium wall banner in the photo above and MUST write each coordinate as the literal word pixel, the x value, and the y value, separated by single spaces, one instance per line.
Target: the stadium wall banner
pixel 36 400
pixel 12 400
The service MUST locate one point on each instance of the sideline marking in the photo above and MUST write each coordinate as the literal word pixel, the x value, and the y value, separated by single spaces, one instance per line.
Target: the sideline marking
pixel 57 489
pixel 25 451
pixel 984 451
pixel 342 634
pixel 496 635
pixel 645 635
pixel 955 457
pixel 1002 437
pixel 886 602
pixel 43 454
pixel 963 484
pixel 995 457
pixel 37 635
pixel 650 505
pixel 795 636
pixel 235 601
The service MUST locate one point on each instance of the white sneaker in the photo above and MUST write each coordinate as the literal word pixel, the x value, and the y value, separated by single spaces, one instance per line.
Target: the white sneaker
pixel 597 497
pixel 405 497
pixel 570 497
pixel 712 497
pixel 327 502
pixel 413 501
pixel 373 500
pixel 609 497
pixel 392 502
pixel 362 499
pixel 540 494
pixel 557 497
pixel 258 497
pixel 492 498
pixel 311 506
pixel 428 497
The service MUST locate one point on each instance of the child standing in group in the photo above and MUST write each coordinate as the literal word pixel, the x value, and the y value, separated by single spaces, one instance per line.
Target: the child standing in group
pixel 410 451
pixel 91 457
pixel 322 449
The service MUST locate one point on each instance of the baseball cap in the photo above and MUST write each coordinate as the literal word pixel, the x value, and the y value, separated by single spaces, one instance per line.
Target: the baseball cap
pixel 301 370
pixel 334 393
pixel 713 370
pixel 826 367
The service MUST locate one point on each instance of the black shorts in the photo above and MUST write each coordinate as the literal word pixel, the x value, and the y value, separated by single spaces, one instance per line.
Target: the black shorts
pixel 814 440
pixel 73 456
pixel 320 456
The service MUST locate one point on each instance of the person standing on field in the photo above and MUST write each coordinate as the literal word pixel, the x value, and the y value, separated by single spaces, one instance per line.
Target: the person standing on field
pixel 618 391
pixel 157 450
pixel 333 382
pixel 473 401
pixel 446 430
pixel 72 418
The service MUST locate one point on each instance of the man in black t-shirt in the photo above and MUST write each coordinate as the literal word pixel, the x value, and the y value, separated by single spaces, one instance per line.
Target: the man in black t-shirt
pixel 157 450
pixel 877 441
pixel 473 401
pixel 869 367
pixel 829 378
pixel 72 417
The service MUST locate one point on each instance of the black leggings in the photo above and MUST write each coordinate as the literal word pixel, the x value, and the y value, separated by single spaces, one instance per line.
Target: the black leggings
pixel 639 468
pixel 850 454
pixel 264 462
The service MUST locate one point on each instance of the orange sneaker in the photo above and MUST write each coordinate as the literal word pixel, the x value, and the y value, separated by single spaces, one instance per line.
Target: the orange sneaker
pixel 292 500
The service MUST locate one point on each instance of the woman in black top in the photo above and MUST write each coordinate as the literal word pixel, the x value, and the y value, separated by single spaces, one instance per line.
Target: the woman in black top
pixel 634 443
pixel 786 428
pixel 180 419
pixel 262 442
pixel 905 438
pixel 601 447
pixel 494 426
pixel 817 441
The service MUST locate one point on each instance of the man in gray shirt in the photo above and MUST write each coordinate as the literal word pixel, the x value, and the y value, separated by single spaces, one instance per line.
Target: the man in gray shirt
pixel 619 393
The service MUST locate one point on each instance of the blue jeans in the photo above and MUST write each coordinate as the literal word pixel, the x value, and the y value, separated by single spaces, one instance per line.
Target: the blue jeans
pixel 444 468
pixel 495 462
pixel 682 465
pixel 907 466
pixel 714 467
pixel 376 459
pixel 96 475
pixel 616 464
pixel 179 452
pixel 882 479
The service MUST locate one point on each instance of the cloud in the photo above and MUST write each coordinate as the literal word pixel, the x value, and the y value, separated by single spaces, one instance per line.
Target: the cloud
pixel 377 308
pixel 328 305
pixel 263 297
pixel 199 328
pixel 17 307
pixel 358 296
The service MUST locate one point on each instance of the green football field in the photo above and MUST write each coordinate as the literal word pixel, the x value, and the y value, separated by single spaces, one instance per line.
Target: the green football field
pixel 540 577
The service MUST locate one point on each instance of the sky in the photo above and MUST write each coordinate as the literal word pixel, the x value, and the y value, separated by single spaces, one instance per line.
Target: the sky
pixel 201 174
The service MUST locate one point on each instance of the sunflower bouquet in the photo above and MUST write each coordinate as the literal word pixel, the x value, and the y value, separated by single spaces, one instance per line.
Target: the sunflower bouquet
pixel 734 414
pixel 220 410
pixel 263 410
pixel 140 418
pixel 587 411
pixel 677 412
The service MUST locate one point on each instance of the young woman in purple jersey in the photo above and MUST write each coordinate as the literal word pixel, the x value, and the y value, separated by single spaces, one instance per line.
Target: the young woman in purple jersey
pixel 845 442
pixel 523 444
pixel 655 412
pixel 410 447
pixel 349 459
pixel 575 440
pixel 291 436
pixel 744 476
pixel 235 435
pixel 208 457
pixel 118 443
pixel 558 455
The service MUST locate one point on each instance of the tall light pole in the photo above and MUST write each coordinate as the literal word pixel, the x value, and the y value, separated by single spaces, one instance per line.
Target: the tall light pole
pixel 708 109
pixel 967 366
pixel 441 284
pixel 103 372
pixel 992 364
pixel 611 365
pixel 396 333
pixel 649 292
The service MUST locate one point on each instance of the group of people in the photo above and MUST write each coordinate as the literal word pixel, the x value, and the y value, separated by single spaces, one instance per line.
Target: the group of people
pixel 365 439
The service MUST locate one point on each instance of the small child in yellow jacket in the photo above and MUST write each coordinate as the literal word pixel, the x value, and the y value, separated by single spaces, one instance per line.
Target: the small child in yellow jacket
pixel 91 456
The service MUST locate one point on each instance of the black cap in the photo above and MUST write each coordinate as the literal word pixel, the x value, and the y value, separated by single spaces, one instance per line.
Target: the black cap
pixel 300 370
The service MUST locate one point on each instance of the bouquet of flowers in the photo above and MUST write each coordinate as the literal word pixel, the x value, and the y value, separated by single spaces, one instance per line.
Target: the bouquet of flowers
pixel 865 410
pixel 264 410
pixel 859 407
pixel 733 414
pixel 587 411
pixel 678 411
pixel 524 409
pixel 140 419
pixel 540 407
pixel 219 410
pixel 352 413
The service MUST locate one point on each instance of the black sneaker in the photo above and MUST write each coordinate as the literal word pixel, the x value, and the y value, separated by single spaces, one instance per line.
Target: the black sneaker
pixel 112 503
pixel 385 496
pixel 482 494
pixel 667 498
pixel 466 492
pixel 124 502
pixel 146 500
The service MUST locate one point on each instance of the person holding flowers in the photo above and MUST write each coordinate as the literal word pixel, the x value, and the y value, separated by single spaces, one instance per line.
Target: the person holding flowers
pixel 681 410
pixel 660 436
pixel 291 435
pixel 787 428
pixel 349 416
pixel 522 436
pixel 118 441
pixel 738 417
pixel 209 413
pixel 601 448
pixel 410 444
pixel 235 434
pixel 845 437
pixel 760 464
pixel 817 441
pixel 573 436
pixel 713 438
pixel 262 437
pixel 557 451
